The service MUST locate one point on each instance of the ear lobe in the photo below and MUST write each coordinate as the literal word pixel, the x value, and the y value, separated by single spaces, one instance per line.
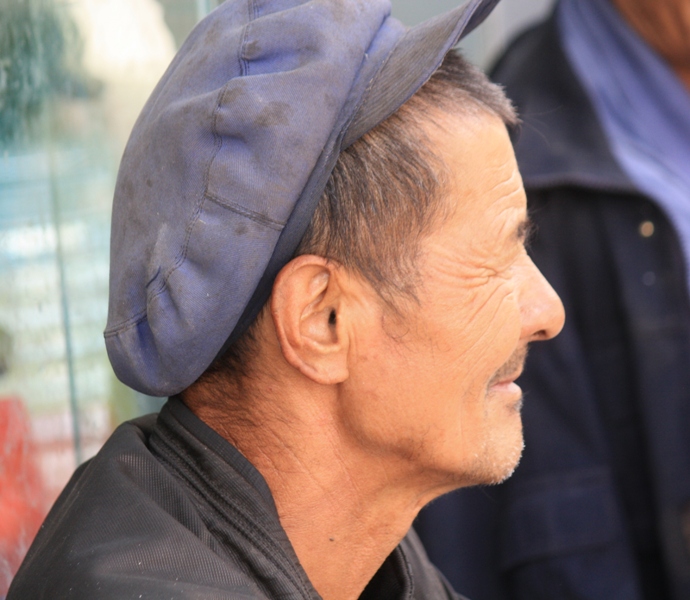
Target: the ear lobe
pixel 305 303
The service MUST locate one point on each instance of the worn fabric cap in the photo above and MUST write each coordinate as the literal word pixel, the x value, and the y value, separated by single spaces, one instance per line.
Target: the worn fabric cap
pixel 229 157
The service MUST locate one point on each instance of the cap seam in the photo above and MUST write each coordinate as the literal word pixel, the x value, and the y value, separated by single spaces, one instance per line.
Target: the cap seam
pixel 365 93
pixel 246 212
pixel 275 225
pixel 328 152
pixel 141 316
pixel 218 145
pixel 251 17
pixel 178 263
pixel 182 255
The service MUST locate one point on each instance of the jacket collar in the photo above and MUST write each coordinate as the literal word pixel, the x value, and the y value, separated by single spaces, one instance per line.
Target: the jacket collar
pixel 238 493
pixel 560 141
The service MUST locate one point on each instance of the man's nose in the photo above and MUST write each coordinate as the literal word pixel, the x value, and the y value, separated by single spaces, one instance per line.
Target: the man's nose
pixel 541 308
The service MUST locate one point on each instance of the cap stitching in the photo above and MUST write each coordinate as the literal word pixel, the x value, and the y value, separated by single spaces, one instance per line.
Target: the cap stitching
pixel 365 93
pixel 251 16
pixel 218 139
pixel 467 15
pixel 218 145
pixel 246 212
pixel 133 321
pixel 140 317
pixel 182 256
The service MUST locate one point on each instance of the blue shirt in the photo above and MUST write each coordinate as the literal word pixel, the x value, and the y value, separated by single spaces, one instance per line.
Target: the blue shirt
pixel 642 105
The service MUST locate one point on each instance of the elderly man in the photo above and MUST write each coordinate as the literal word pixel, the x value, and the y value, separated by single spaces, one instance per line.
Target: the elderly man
pixel 600 506
pixel 324 265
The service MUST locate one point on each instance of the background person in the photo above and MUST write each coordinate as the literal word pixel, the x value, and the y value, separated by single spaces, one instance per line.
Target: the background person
pixel 600 505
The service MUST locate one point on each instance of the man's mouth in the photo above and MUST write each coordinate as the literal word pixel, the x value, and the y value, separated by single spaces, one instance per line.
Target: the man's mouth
pixel 505 376
pixel 507 382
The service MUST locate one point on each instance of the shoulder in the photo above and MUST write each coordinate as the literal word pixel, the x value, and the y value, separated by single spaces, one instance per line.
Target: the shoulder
pixel 125 527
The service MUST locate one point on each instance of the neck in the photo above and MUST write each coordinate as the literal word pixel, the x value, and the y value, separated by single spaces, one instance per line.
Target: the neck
pixel 684 75
pixel 665 26
pixel 343 510
pixel 342 526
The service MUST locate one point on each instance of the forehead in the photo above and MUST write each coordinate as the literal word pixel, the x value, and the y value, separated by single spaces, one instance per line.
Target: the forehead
pixel 480 173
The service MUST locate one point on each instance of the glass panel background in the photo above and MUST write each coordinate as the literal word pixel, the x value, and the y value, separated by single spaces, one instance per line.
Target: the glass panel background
pixel 74 75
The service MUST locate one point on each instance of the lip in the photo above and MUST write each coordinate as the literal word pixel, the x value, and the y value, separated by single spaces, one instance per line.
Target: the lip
pixel 506 381
pixel 507 392
pixel 506 386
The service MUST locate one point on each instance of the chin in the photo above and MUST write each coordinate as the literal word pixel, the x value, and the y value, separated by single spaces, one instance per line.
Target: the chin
pixel 508 471
pixel 488 468
pixel 500 447
pixel 499 459
pixel 505 464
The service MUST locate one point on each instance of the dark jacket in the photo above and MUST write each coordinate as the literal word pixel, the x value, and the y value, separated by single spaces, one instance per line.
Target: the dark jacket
pixel 170 510
pixel 599 507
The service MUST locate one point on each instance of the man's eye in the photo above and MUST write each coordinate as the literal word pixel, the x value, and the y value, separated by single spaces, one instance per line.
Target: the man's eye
pixel 526 233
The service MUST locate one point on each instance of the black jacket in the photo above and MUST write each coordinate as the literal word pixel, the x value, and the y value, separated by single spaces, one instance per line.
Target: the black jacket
pixel 169 510
pixel 599 507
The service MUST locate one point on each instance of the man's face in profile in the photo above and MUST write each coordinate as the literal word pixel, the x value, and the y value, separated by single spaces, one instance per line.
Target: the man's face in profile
pixel 438 380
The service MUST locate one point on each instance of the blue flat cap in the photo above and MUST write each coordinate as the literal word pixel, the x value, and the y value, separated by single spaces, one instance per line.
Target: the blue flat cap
pixel 229 157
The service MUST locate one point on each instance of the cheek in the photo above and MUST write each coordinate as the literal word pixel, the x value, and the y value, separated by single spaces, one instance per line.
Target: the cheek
pixel 480 331
pixel 426 377
pixel 465 342
pixel 403 391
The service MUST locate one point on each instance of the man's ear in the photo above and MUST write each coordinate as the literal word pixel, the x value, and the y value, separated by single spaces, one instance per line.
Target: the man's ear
pixel 305 305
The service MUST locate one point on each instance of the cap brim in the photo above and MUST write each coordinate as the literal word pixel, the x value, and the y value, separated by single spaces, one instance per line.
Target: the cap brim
pixel 423 46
